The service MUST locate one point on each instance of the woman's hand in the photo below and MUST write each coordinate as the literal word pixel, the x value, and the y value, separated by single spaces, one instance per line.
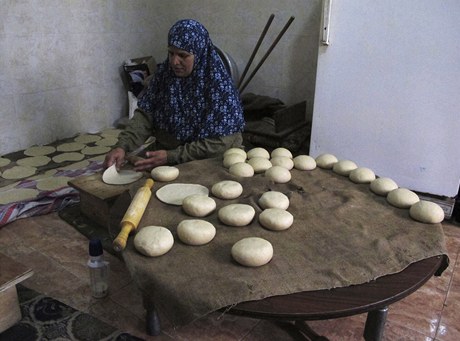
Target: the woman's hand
pixel 153 159
pixel 115 156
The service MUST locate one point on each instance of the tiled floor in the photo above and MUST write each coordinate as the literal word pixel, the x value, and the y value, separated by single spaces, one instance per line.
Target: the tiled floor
pixel 58 255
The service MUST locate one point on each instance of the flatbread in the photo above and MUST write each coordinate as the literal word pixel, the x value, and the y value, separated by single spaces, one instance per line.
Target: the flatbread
pixel 174 194
pixel 111 132
pixel 123 177
pixel 70 147
pixel 34 161
pixel 39 150
pixel 17 195
pixel 87 138
pixel 52 183
pixel 76 165
pixel 96 150
pixel 107 141
pixel 4 161
pixel 47 174
pixel 19 172
pixel 72 156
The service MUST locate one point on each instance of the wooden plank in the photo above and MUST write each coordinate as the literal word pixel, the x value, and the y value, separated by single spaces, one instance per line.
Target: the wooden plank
pixel 12 272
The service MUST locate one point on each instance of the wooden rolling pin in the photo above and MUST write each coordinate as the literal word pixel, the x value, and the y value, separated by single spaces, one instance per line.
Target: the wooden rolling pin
pixel 133 215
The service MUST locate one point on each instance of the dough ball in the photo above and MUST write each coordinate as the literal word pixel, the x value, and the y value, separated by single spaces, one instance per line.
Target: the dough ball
pixel 278 174
pixel 233 158
pixel 198 205
pixel 236 214
pixel 344 167
pixel 383 186
pixel 235 151
pixel 260 164
pixel 241 169
pixel 276 219
pixel 402 198
pixel 164 173
pixel 362 175
pixel 427 212
pixel 274 199
pixel 252 251
pixel 304 162
pixel 258 152
pixel 281 152
pixel 326 161
pixel 227 189
pixel 282 161
pixel 195 231
pixel 153 241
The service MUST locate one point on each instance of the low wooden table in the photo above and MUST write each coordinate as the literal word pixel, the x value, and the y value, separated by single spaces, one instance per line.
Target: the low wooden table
pixel 11 273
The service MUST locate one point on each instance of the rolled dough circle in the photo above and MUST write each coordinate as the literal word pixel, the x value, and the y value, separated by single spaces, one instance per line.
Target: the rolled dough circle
pixel 241 169
pixel 95 150
pixel 278 174
pixel 164 173
pixel 281 151
pixel 236 214
pixel 70 147
pixel 87 138
pixel 252 251
pixel 125 176
pixel 276 219
pixel 427 212
pixel 4 161
pixel 326 161
pixel 18 195
pixel 19 172
pixel 235 151
pixel 282 161
pixel 52 183
pixel 362 175
pixel 258 152
pixel 274 199
pixel 304 162
pixel 39 150
pixel 198 205
pixel 260 164
pixel 383 186
pixel 153 241
pixel 34 161
pixel 402 198
pixel 107 141
pixel 227 189
pixel 233 158
pixel 195 231
pixel 344 167
pixel 71 156
pixel 174 194
pixel 111 132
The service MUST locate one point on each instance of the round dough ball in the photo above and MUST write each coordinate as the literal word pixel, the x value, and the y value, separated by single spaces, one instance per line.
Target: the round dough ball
pixel 227 189
pixel 153 241
pixel 233 158
pixel 278 174
pixel 344 167
pixel 241 169
pixel 258 152
pixel 164 173
pixel 362 175
pixel 198 205
pixel 281 152
pixel 252 251
pixel 383 186
pixel 282 161
pixel 402 198
pixel 304 162
pixel 326 161
pixel 274 199
pixel 235 151
pixel 195 231
pixel 260 164
pixel 276 219
pixel 236 214
pixel 427 212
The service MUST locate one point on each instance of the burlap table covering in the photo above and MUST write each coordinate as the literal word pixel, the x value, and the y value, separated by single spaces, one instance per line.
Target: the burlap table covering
pixel 343 234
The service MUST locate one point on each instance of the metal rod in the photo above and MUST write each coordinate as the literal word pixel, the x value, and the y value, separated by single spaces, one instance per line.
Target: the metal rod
pixel 256 48
pixel 291 19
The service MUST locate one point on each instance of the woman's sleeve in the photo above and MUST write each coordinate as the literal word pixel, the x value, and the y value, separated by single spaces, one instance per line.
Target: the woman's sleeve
pixel 138 129
pixel 204 149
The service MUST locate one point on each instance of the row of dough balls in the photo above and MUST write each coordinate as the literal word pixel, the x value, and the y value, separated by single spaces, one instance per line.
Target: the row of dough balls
pixel 420 210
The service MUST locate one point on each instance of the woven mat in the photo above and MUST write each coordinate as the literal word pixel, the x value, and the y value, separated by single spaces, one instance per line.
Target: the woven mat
pixel 343 234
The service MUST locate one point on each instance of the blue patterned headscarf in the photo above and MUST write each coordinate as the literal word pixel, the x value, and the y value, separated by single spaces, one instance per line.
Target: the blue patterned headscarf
pixel 204 104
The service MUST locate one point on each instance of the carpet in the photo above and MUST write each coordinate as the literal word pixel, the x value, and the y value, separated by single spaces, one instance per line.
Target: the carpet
pixel 44 318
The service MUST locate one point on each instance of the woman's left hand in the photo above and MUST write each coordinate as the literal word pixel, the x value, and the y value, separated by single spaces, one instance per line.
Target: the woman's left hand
pixel 153 159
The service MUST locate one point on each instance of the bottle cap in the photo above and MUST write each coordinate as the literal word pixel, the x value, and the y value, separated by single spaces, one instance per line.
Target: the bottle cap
pixel 95 247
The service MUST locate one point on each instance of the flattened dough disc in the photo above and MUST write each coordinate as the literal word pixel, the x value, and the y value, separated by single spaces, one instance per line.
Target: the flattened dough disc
pixel 39 150
pixel 174 194
pixel 123 177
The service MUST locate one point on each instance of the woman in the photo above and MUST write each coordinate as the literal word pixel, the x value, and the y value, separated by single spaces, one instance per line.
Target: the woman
pixel 191 106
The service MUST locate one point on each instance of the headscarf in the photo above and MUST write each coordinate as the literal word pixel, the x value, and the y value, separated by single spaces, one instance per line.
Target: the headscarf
pixel 204 104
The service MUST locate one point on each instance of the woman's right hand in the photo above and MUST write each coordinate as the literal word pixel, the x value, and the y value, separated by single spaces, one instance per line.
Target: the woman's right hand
pixel 115 156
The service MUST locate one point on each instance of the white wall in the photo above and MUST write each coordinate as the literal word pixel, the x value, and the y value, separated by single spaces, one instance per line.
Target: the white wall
pixel 387 91
pixel 59 59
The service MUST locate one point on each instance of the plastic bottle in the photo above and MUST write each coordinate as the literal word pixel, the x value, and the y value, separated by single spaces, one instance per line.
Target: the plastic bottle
pixel 98 269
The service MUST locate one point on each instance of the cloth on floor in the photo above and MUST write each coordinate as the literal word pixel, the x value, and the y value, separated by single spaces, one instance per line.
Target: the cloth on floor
pixel 343 234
